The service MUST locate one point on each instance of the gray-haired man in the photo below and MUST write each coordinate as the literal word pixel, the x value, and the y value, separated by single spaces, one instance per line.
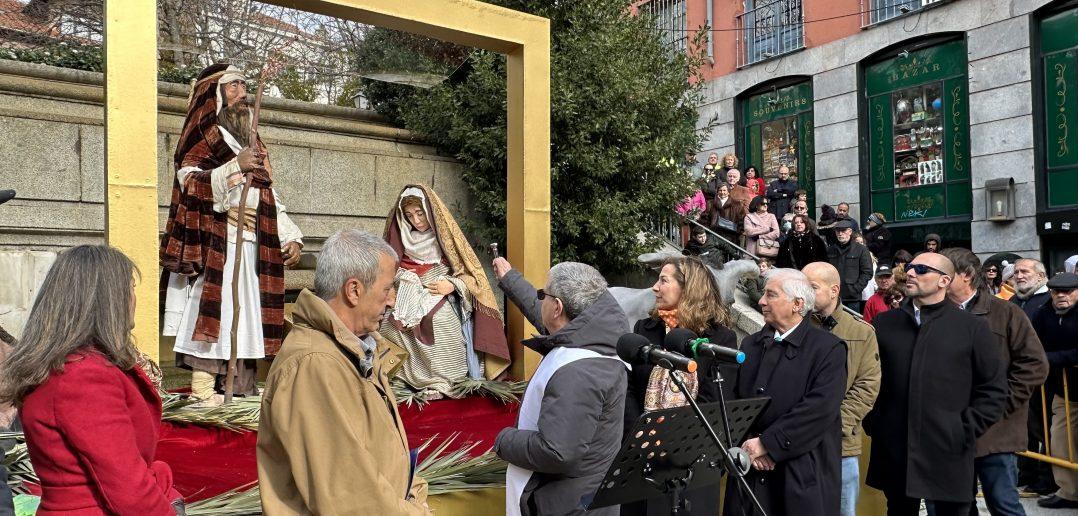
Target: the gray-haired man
pixel 330 440
pixel 796 444
pixel 570 422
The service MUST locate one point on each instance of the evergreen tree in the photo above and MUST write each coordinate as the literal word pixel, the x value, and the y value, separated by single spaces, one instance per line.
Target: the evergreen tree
pixel 623 118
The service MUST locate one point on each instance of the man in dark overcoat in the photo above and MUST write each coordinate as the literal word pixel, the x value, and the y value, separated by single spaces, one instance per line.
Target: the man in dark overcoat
pixel 944 383
pixel 796 443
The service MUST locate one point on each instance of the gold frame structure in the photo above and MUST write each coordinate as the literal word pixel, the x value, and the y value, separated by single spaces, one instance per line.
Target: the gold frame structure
pixel 131 129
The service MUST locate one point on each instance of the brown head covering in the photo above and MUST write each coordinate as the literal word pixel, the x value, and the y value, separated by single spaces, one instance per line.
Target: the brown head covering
pixel 195 235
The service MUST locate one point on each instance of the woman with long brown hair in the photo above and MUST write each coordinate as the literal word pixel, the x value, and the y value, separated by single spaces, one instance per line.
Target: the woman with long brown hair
pixel 90 414
pixel 686 296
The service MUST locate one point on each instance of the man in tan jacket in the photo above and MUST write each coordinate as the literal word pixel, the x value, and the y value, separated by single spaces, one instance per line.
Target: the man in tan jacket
pixel 862 372
pixel 330 439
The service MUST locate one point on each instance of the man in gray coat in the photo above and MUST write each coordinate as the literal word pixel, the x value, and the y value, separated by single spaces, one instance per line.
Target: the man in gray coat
pixel 569 427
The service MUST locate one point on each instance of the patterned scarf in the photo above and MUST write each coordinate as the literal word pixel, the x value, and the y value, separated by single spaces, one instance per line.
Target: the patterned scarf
pixel 195 236
pixel 661 392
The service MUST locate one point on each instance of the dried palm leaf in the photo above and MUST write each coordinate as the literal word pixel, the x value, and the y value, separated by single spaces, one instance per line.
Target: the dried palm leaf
pixel 240 501
pixel 505 392
pixel 240 415
pixel 17 461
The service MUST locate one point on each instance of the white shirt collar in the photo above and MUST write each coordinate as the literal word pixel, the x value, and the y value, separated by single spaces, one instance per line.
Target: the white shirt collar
pixel 963 304
pixel 782 336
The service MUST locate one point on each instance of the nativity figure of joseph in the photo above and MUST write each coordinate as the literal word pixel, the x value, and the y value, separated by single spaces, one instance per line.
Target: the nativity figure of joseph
pixel 215 156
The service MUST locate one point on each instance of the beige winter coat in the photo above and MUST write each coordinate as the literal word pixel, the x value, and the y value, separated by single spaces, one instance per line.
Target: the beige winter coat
pixel 329 441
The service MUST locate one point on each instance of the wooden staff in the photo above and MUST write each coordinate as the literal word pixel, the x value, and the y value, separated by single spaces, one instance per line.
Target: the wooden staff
pixel 237 259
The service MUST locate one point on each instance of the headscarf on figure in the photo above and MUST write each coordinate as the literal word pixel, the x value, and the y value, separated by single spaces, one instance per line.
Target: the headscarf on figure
pixel 419 319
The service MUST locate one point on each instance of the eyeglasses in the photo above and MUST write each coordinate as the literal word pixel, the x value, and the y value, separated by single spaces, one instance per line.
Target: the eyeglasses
pixel 991 269
pixel 542 294
pixel 921 269
pixel 801 207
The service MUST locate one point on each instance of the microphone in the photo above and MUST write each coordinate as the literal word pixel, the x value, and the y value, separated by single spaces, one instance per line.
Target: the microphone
pixel 685 342
pixel 637 349
pixel 6 195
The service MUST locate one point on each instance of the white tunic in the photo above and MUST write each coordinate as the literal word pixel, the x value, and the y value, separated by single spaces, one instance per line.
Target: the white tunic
pixel 182 299
pixel 516 478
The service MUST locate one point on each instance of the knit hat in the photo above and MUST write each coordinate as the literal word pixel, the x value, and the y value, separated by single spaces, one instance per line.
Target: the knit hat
pixel 1008 270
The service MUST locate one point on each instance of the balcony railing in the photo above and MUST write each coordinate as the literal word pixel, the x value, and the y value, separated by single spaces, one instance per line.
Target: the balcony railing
pixel 877 11
pixel 670 21
pixel 770 30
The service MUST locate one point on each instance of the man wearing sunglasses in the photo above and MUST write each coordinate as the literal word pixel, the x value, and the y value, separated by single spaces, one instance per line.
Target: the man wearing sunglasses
pixel 1057 325
pixel 943 384
pixel 569 427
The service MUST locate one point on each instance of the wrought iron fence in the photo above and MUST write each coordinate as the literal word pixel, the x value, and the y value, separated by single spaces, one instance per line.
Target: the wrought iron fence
pixel 670 21
pixel 668 227
pixel 769 30
pixel 876 11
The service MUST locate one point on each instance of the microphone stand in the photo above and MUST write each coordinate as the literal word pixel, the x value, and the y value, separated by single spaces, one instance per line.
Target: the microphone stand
pixel 731 468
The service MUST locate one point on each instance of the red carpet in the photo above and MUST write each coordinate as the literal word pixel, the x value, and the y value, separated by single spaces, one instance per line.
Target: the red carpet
pixel 209 461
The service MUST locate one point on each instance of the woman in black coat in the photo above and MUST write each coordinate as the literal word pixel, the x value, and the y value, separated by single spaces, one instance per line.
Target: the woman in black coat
pixel 686 296
pixel 802 246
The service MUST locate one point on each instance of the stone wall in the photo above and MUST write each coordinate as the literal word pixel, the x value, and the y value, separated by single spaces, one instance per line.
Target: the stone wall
pixel 1000 99
pixel 334 166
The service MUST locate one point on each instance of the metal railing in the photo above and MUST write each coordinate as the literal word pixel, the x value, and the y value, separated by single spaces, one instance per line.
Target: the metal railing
pixel 770 30
pixel 877 11
pixel 670 21
pixel 667 226
pixel 1071 459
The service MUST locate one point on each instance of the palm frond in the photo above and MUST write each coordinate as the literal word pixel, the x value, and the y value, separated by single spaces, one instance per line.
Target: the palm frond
pixel 17 461
pixel 457 471
pixel 241 501
pixel 240 415
pixel 407 395
pixel 505 392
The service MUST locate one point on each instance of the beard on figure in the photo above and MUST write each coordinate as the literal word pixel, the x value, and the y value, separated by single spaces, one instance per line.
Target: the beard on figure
pixel 236 119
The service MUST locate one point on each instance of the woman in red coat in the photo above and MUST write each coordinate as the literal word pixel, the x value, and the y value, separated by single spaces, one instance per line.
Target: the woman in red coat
pixel 90 415
pixel 754 182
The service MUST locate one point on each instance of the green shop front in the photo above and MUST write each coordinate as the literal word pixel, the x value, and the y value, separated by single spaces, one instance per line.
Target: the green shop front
pixel 917 132
pixel 1056 117
pixel 775 122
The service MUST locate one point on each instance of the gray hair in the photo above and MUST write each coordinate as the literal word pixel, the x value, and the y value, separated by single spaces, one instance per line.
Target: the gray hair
pixel 1038 266
pixel 349 253
pixel 577 285
pixel 796 286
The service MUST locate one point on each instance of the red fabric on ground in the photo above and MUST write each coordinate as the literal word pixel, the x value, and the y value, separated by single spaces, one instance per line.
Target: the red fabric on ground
pixel 208 461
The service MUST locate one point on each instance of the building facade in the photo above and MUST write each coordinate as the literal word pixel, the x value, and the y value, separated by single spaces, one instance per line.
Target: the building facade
pixel 955 117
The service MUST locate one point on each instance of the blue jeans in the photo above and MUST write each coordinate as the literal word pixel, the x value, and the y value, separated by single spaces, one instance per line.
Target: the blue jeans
pixel 998 473
pixel 851 483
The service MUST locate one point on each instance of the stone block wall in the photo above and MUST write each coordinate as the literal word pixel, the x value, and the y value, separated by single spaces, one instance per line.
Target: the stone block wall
pixel 334 167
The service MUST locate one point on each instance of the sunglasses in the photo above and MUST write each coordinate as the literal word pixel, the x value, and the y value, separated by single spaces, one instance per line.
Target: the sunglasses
pixel 542 294
pixel 922 269
pixel 991 270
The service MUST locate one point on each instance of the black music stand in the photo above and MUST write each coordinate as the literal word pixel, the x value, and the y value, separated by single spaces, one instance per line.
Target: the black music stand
pixel 669 450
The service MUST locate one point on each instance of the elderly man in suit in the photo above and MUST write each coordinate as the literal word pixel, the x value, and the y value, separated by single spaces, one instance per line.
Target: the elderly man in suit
pixel 796 444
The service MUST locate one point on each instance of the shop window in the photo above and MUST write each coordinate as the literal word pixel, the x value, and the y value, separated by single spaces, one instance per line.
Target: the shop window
pixel 776 129
pixel 918 134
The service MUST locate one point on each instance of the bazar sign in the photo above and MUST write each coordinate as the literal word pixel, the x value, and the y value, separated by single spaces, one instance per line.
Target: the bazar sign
pixel 913 69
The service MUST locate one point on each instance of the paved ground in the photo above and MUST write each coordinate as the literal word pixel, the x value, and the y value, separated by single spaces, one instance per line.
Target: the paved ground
pixel 1031 507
